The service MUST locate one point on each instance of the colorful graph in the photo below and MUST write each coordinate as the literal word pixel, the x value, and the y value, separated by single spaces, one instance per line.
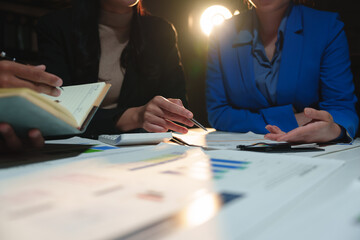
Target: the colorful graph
pixel 215 168
pixel 99 149
pixel 220 167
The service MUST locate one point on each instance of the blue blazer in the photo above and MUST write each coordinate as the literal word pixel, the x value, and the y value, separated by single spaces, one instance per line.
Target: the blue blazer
pixel 314 72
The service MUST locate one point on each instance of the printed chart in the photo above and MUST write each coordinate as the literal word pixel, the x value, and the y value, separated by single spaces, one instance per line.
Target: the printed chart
pixel 165 189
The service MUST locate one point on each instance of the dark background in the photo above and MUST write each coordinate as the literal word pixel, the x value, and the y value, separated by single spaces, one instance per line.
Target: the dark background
pixel 18 38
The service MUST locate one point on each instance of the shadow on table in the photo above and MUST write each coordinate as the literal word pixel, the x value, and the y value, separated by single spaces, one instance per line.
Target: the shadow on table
pixel 49 152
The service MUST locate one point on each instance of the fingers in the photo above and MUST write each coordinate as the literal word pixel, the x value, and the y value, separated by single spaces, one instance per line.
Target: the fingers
pixel 160 114
pixel 160 109
pixel 272 137
pixel 33 77
pixel 310 133
pixel 274 129
pixel 42 67
pixel 299 135
pixel 37 75
pixel 169 126
pixel 12 142
pixel 36 139
pixel 318 114
pixel 175 127
pixel 163 125
pixel 172 107
pixel 176 101
pixel 153 127
pixel 41 88
pixel 174 117
pixel 153 122
pixel 316 132
pixel 156 120
pixel 319 127
pixel 275 133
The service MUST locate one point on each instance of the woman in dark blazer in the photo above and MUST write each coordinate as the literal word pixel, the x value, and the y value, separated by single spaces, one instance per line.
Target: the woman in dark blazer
pixel 77 44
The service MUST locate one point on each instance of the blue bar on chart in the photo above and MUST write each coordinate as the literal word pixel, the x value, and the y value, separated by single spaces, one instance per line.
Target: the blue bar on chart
pixel 228 161
pixel 227 166
pixel 220 167
pixel 218 171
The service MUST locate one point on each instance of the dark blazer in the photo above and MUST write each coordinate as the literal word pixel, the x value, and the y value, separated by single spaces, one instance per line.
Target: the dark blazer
pixel 58 50
pixel 314 72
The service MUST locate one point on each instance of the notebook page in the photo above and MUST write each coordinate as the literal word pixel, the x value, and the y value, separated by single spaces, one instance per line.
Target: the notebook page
pixel 79 99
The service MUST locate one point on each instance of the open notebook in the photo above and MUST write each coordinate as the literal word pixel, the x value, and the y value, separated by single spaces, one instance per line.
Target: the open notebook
pixel 68 114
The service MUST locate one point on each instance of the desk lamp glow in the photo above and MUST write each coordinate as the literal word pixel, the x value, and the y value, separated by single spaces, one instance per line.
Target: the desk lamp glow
pixel 213 16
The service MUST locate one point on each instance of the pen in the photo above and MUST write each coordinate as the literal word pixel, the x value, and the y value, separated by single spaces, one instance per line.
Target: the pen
pixel 4 56
pixel 198 124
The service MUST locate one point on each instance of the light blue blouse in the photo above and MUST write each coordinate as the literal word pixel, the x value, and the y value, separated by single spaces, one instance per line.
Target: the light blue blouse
pixel 266 72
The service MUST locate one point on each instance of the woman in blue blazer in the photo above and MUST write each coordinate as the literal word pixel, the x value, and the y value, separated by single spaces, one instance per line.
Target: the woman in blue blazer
pixel 282 68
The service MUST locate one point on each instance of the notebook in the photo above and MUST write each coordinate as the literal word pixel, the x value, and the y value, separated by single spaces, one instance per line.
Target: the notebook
pixel 68 114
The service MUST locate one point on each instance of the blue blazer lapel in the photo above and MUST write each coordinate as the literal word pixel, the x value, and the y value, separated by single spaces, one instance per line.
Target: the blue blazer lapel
pixel 291 58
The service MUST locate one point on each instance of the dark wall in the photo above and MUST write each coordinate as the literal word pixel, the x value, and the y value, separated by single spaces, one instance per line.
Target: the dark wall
pixel 18 19
pixel 349 12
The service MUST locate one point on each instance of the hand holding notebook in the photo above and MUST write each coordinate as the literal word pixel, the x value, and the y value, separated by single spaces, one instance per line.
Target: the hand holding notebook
pixel 70 113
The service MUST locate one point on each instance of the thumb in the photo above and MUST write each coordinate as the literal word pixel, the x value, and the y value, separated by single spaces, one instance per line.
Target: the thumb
pixel 317 114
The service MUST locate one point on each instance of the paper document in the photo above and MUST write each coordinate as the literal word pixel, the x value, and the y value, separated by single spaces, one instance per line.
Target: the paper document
pixel 221 140
pixel 227 140
pixel 156 194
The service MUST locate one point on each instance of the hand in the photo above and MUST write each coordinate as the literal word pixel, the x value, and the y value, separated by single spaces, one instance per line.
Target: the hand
pixel 301 119
pixel 321 128
pixel 9 142
pixel 158 115
pixel 16 75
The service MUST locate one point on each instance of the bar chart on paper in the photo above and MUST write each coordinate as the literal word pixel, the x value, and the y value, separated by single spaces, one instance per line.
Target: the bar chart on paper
pixel 205 168
pixel 220 167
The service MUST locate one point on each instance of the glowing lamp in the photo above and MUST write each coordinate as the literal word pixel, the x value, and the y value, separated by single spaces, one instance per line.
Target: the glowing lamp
pixel 213 16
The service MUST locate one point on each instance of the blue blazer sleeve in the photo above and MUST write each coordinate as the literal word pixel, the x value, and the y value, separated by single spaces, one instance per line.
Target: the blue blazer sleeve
pixel 336 85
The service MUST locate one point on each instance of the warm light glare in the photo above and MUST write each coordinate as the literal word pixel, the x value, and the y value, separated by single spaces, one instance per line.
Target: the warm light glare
pixel 201 210
pixel 213 16
pixel 237 12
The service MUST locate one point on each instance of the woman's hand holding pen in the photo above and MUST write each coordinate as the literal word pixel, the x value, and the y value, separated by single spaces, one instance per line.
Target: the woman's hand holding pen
pixel 16 75
pixel 321 128
pixel 158 115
